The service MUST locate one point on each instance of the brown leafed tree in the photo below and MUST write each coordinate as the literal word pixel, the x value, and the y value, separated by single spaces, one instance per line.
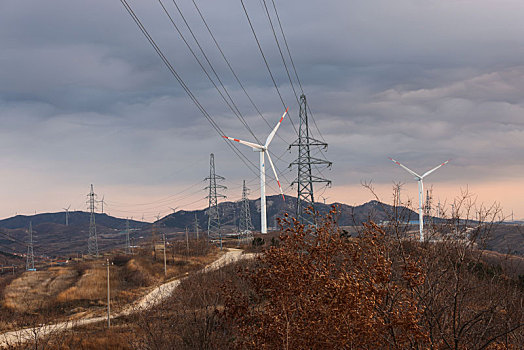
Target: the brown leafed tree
pixel 320 290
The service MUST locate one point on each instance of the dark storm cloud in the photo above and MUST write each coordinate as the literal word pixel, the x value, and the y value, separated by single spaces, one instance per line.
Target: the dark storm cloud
pixel 84 98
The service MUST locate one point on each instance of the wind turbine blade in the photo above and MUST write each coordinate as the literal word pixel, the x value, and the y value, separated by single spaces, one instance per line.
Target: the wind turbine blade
pixel 405 168
pixel 276 176
pixel 432 170
pixel 270 137
pixel 250 144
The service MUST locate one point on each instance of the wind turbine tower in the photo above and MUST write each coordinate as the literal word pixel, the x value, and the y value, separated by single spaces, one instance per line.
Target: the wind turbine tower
pixel 92 242
pixel 420 179
pixel 67 215
pixel 263 150
pixel 305 178
pixel 213 223
pixel 102 201
pixel 30 259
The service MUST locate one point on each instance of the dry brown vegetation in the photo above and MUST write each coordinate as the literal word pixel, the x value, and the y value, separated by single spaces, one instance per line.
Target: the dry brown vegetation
pixel 37 289
pixel 80 290
pixel 318 288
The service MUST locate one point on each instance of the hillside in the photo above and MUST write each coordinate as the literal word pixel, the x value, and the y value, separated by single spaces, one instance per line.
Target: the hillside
pixel 53 238
pixel 76 218
pixel 277 207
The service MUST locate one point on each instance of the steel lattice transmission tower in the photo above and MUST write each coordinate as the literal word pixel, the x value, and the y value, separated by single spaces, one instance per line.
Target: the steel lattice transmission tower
pixel 128 241
pixel 213 223
pixel 245 226
pixel 305 178
pixel 92 242
pixel 30 259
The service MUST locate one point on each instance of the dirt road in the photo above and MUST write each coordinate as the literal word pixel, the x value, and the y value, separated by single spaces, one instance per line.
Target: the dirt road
pixel 149 300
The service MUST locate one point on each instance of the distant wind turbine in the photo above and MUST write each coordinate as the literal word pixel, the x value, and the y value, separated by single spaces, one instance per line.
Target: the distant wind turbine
pixel 420 179
pixel 263 152
pixel 102 201
pixel 67 215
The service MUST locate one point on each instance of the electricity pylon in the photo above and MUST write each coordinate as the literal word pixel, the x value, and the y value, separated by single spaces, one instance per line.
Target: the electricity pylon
pixel 213 223
pixel 197 228
pixel 128 241
pixel 428 206
pixel 245 226
pixel 305 178
pixel 92 242
pixel 30 259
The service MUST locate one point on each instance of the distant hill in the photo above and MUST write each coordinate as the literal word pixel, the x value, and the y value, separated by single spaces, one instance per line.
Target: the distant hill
pixel 504 238
pixel 53 238
pixel 75 218
pixel 277 207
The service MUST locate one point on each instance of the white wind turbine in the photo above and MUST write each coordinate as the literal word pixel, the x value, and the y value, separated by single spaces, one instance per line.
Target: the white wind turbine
pixel 67 215
pixel 420 179
pixel 264 151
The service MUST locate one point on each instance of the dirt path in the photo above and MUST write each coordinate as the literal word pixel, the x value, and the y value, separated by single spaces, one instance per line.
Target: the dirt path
pixel 149 300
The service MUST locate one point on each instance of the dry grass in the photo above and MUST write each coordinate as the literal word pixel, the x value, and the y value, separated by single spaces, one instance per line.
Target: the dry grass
pixel 91 286
pixel 37 289
pixel 80 290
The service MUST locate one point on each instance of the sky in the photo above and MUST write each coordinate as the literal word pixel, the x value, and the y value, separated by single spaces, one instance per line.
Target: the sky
pixel 85 99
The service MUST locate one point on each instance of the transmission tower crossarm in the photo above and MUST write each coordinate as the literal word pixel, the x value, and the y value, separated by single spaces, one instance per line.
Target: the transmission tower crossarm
pixel 310 141
pixel 315 161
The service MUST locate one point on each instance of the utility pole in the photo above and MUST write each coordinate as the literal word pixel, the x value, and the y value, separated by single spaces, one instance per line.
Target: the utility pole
pixel 213 223
pixel 92 242
pixel 305 178
pixel 30 259
pixel 128 241
pixel 165 259
pixel 154 229
pixel 187 242
pixel 108 296
pixel 245 226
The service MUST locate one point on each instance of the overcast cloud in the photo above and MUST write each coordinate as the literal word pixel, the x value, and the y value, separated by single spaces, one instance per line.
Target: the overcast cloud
pixel 85 99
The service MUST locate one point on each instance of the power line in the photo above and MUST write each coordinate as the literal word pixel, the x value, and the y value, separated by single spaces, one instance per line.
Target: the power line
pixel 163 199
pixel 293 65
pixel 231 68
pixel 287 46
pixel 280 50
pixel 215 73
pixel 175 74
pixel 184 86
pixel 231 105
pixel 267 64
